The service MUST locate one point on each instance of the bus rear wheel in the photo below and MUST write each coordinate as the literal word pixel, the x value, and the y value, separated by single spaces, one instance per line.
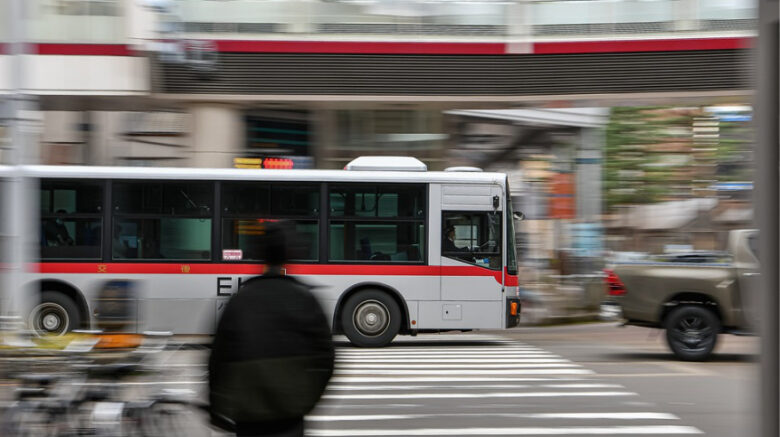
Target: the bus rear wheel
pixel 55 314
pixel 371 318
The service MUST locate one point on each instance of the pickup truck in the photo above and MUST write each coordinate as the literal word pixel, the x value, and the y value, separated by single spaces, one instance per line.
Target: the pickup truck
pixel 693 296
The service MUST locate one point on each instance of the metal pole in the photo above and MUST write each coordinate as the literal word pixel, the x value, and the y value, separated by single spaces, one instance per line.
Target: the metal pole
pixel 766 206
pixel 16 207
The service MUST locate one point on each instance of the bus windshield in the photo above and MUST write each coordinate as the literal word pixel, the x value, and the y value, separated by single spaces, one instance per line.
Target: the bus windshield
pixel 511 250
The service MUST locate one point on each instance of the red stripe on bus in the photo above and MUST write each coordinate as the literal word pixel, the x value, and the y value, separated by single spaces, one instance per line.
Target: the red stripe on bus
pixel 642 45
pixel 510 280
pixel 256 269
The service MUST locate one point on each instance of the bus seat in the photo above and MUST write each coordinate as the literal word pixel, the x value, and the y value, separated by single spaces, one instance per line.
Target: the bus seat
pixel 365 248
pixel 413 253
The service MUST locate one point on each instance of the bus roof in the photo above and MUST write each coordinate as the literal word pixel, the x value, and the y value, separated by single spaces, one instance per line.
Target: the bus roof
pixel 178 173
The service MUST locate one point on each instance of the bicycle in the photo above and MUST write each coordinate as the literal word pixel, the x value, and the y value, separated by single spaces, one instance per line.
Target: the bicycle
pixel 87 399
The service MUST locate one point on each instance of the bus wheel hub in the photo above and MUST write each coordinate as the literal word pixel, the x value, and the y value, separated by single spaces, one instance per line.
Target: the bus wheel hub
pixel 371 318
pixel 51 321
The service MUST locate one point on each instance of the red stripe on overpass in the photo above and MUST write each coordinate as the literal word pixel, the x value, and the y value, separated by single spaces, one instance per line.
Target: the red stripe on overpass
pixel 416 48
pixel 643 45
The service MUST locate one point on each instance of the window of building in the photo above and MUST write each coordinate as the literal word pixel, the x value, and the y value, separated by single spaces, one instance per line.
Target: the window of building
pixel 162 220
pixel 473 237
pixel 377 223
pixel 71 219
pixel 248 207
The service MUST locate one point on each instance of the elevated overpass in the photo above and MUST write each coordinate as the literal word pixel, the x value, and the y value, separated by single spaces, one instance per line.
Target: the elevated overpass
pixel 458 74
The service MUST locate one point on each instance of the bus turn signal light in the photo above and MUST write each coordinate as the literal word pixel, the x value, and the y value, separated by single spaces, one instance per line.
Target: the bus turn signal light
pixel 513 308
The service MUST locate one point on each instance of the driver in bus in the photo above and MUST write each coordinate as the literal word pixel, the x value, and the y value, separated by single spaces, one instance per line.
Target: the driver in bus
pixel 448 246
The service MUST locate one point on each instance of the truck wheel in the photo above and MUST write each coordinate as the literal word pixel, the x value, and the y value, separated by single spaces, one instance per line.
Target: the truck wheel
pixel 371 318
pixel 56 314
pixel 691 332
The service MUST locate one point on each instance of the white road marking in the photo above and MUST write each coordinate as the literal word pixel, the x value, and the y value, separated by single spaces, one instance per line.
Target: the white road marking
pixel 551 394
pixel 441 350
pixel 453 366
pixel 452 360
pixel 570 430
pixel 460 387
pixel 588 416
pixel 370 379
pixel 569 371
pixel 444 353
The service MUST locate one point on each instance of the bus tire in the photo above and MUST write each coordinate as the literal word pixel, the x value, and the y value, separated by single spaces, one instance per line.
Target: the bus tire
pixel 371 318
pixel 55 314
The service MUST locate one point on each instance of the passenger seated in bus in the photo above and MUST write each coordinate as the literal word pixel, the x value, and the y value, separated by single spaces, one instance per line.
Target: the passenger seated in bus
pixel 379 256
pixel 365 248
pixel 120 248
pixel 55 233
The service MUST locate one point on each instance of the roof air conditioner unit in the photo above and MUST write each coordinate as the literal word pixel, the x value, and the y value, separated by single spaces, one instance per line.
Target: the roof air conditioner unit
pixel 472 169
pixel 386 163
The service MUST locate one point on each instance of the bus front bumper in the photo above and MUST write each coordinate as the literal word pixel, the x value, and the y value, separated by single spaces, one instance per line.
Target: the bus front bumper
pixel 512 312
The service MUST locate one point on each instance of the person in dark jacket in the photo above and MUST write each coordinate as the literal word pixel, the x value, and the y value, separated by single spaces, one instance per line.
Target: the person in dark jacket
pixel 272 354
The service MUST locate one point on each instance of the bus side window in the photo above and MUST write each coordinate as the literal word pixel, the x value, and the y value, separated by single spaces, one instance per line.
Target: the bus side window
pixel 472 237
pixel 71 219
pixel 162 220
pixel 378 223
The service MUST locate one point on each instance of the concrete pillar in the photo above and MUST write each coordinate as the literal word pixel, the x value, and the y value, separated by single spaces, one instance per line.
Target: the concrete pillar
pixel 323 124
pixel 588 174
pixel 589 229
pixel 686 15
pixel 218 134
pixel 766 201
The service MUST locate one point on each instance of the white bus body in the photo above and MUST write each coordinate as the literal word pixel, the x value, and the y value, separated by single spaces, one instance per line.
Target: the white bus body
pixel 378 233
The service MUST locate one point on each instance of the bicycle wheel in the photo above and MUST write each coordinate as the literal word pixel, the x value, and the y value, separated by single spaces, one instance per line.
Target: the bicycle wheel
pixel 24 420
pixel 172 419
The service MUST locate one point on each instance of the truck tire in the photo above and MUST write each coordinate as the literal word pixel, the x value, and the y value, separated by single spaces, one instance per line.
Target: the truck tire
pixel 55 314
pixel 371 318
pixel 692 332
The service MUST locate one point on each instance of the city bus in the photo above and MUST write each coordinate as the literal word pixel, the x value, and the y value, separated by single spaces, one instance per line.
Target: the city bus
pixel 388 247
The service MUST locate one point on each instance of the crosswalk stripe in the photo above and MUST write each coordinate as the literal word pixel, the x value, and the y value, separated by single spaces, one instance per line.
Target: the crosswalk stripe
pixel 371 379
pixel 455 366
pixel 441 349
pixel 584 416
pixel 453 360
pixel 437 353
pixel 551 394
pixel 461 387
pixel 566 371
pixel 571 430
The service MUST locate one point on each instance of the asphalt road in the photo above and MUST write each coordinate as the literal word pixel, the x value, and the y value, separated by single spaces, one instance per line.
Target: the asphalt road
pixel 587 379
pixel 719 397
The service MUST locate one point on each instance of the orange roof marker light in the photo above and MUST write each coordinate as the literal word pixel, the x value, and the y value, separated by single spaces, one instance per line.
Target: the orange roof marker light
pixel 278 163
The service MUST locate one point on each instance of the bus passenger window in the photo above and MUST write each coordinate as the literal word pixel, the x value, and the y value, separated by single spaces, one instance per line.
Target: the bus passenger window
pixel 162 220
pixel 71 219
pixel 376 223
pixel 247 207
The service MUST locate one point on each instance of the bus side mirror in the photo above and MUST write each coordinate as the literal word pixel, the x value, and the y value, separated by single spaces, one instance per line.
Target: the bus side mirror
pixel 519 216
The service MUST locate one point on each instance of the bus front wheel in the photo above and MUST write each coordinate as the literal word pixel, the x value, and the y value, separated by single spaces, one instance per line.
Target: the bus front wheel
pixel 55 314
pixel 371 318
